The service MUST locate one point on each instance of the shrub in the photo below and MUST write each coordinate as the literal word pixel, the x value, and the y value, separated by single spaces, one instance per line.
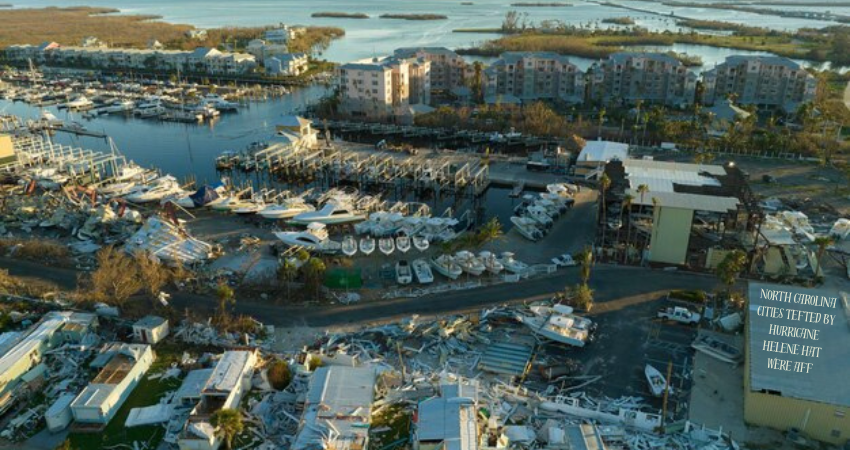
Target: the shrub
pixel 279 375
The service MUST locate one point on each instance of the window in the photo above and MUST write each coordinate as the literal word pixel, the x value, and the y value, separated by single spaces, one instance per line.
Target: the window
pixel 835 433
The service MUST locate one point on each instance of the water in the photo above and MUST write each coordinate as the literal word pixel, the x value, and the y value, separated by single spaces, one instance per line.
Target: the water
pixel 371 37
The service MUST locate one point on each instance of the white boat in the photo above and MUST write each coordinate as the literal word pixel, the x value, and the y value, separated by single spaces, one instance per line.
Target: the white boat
pixel 421 243
pixel 231 203
pixel 657 382
pixel 403 272
pixel 349 246
pixel 446 266
pixel 333 212
pixel 157 190
pixel 120 107
pixel 561 189
pixel 288 208
pixel 315 238
pixel 539 215
pixel 386 246
pixel 129 171
pixel 512 265
pixel 527 228
pixel 422 271
pixel 469 263
pixel 252 206
pixel 402 243
pixel 151 108
pixel 367 245
pixel 558 323
pixel 219 103
pixel 80 103
pixel 491 262
pixel 840 229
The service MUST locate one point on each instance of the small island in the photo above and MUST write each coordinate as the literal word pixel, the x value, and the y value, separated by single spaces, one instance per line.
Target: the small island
pixel 541 5
pixel 619 20
pixel 467 3
pixel 340 15
pixel 414 16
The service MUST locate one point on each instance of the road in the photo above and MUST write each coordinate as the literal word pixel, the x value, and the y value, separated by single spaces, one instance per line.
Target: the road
pixel 614 286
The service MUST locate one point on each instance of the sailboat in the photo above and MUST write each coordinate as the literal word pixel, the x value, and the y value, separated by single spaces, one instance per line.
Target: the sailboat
pixel 656 381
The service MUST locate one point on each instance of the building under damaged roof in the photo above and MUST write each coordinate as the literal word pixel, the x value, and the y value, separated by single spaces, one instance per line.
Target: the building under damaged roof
pixel 449 422
pixel 338 410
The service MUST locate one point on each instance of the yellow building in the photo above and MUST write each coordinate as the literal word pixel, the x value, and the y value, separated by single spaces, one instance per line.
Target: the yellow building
pixel 7 151
pixel 816 403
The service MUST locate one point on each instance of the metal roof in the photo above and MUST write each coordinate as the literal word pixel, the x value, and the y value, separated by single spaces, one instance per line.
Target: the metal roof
pixel 229 371
pixel 604 151
pixel 826 381
pixel 193 384
pixel 681 200
pixel 506 358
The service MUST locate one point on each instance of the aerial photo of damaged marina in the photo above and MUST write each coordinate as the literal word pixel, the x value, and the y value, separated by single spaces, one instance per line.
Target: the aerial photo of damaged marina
pixel 425 225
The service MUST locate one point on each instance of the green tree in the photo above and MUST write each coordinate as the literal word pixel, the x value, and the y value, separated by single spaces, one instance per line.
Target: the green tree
pixel 490 231
pixel 279 375
pixel 225 296
pixel 585 261
pixel 822 242
pixel 228 424
pixel 286 274
pixel 582 296
pixel 313 273
pixel 728 270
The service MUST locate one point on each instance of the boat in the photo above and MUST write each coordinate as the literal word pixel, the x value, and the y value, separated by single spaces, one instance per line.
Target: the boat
pixel 231 203
pixel 151 108
pixel 527 228
pixel 349 246
pixel 157 190
pixel 123 106
pixel 403 273
pixel 717 349
pixel 512 265
pixel 333 212
pixel 558 323
pixel 539 215
pixel 491 262
pixel 402 243
pixel 386 246
pixel 315 238
pixel 446 266
pixel 367 245
pixel 219 103
pixel 80 103
pixel 421 243
pixel 252 206
pixel 561 189
pixel 657 382
pixel 422 271
pixel 288 208
pixel 469 263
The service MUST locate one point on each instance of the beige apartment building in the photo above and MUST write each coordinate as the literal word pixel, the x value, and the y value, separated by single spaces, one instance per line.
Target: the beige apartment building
pixel 767 81
pixel 447 67
pixel 524 76
pixel 384 88
pixel 628 77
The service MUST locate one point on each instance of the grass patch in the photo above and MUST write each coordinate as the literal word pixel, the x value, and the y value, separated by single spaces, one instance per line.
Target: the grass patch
pixel 44 251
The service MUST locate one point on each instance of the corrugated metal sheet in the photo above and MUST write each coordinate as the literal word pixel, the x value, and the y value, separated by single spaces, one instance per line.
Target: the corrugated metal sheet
pixel 506 358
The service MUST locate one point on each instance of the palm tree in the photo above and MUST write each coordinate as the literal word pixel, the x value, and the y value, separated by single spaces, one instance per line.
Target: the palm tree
pixel 490 231
pixel 627 204
pixel 731 266
pixel 822 242
pixel 286 273
pixel 228 424
pixel 585 261
pixel 313 272
pixel 601 120
pixel 604 184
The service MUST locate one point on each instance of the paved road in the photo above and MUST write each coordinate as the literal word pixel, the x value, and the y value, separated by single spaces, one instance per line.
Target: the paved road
pixel 613 286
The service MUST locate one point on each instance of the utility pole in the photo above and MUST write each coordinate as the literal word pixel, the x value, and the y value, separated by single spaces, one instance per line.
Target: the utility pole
pixel 666 392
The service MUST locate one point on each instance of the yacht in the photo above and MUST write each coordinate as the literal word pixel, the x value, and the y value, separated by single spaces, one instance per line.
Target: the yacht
pixel 234 201
pixel 219 103
pixel 287 209
pixel 469 263
pixel 512 265
pixel 315 238
pixel 153 107
pixel 252 206
pixel 558 323
pixel 446 266
pixel 120 107
pixel 205 196
pixel 334 212
pixel 403 272
pixel 158 189
pixel 80 103
pixel 422 271
pixel 527 228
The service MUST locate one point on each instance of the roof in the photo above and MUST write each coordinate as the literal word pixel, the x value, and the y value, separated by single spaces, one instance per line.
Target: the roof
pixel 229 371
pixel 193 384
pixel 603 151
pixel 340 397
pixel 662 176
pixel 150 322
pixel 682 200
pixel 450 419
pixel 517 57
pixel 60 405
pixel 826 381
pixel 726 110
pixel 408 52
pixel 39 334
pixel 766 60
pixel 584 437
pixel 624 57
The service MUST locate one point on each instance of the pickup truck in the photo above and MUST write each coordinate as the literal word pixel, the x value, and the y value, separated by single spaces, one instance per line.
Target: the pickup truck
pixel 679 314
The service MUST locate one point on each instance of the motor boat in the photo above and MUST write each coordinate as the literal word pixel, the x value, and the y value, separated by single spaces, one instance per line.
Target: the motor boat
pixel 315 238
pixel 403 272
pixel 512 265
pixel 158 189
pixel 558 323
pixel 539 215
pixel 219 103
pixel 527 228
pixel 561 189
pixel 349 246
pixel 80 103
pixel 553 208
pixel 49 178
pixel 469 263
pixel 421 243
pixel 565 260
pixel 119 107
pixel 386 246
pixel 491 262
pixel 288 208
pixel 402 243
pixel 422 271
pixel 252 206
pixel 333 212
pixel 446 266
pixel 152 107
pixel 840 229
pixel 657 382
pixel 205 196
pixel 367 245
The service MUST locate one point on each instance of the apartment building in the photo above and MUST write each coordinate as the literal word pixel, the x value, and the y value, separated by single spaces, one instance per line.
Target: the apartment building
pixel 384 88
pixel 533 76
pixel 290 64
pixel 447 67
pixel 629 77
pixel 282 34
pixel 769 81
pixel 202 59
pixel 263 50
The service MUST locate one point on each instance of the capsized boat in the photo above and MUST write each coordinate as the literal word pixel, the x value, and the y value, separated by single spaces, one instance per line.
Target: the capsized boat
pixel 367 245
pixel 717 349
pixel 349 246
pixel 422 271
pixel 315 238
pixel 558 323
pixel 402 243
pixel 403 272
pixel 657 382
pixel 446 266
